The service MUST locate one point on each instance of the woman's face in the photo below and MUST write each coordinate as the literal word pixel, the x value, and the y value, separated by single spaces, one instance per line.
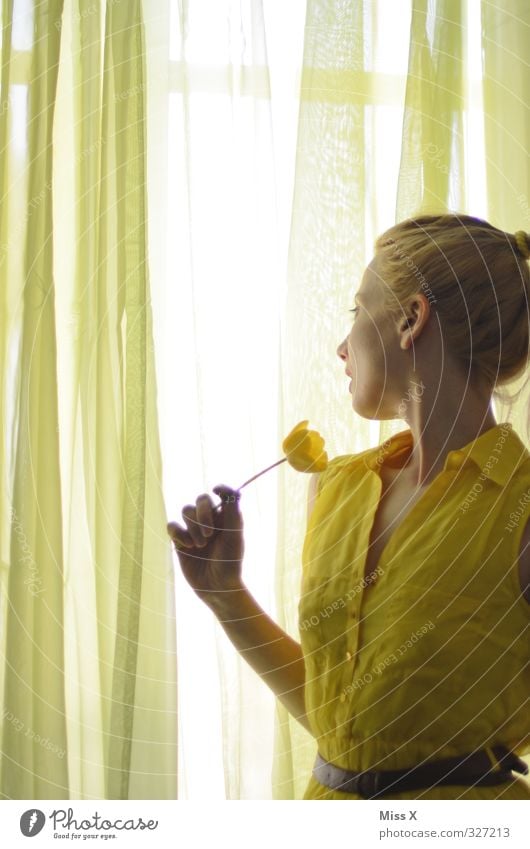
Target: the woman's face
pixel 372 353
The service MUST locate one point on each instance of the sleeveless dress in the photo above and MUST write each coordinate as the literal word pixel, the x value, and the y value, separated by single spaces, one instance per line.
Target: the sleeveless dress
pixel 430 658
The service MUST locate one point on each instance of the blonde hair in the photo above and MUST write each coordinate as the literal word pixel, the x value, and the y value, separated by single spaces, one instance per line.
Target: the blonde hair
pixel 477 280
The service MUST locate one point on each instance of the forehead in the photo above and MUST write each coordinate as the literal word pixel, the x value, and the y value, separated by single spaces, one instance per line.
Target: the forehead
pixel 369 283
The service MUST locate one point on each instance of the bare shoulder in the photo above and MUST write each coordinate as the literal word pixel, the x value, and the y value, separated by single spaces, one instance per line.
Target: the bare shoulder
pixel 524 562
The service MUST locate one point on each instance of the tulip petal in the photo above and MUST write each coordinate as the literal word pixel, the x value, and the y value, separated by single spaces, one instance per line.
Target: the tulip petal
pixel 304 449
pixel 293 437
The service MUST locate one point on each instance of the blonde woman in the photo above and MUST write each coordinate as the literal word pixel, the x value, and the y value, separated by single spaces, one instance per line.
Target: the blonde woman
pixel 412 669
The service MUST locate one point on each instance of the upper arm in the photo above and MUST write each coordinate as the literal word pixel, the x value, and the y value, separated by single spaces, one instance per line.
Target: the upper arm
pixel 312 493
pixel 524 563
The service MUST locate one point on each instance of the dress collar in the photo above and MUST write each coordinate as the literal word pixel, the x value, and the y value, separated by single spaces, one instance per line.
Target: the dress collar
pixel 497 452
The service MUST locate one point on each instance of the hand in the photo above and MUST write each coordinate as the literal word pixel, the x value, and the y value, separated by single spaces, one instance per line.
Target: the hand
pixel 211 551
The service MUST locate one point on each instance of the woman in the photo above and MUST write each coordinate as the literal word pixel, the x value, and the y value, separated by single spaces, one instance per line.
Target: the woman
pixel 412 670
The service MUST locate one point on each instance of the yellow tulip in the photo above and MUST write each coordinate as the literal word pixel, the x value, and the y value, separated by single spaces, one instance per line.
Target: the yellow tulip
pixel 304 449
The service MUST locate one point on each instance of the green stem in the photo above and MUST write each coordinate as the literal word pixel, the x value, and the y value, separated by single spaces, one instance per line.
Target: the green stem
pixel 254 478
pixel 262 472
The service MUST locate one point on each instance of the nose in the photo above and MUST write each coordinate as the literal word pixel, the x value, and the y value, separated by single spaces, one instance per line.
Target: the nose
pixel 341 350
pixel 342 353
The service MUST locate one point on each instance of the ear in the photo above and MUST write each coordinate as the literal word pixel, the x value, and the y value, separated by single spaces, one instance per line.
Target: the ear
pixel 416 316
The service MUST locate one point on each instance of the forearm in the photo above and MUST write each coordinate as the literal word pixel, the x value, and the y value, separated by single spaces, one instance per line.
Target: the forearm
pixel 270 652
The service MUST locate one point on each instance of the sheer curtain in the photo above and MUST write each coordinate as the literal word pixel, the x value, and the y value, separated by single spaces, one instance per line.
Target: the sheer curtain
pixel 190 193
pixel 87 617
pixel 233 106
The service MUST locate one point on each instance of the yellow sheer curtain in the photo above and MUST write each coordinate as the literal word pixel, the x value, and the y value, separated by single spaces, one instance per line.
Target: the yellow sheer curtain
pixel 88 631
pixel 232 122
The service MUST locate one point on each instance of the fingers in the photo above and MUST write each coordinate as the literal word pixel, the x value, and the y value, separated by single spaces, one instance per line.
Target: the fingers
pixel 202 518
pixel 228 494
pixel 229 506
pixel 179 536
pixel 205 514
pixel 189 512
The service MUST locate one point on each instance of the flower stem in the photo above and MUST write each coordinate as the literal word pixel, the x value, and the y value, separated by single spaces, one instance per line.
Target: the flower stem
pixel 262 472
pixel 217 507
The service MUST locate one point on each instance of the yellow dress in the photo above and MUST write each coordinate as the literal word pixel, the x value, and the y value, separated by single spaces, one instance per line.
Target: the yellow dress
pixel 431 658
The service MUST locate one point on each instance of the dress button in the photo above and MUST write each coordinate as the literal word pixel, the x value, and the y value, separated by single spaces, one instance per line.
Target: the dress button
pixel 456 459
pixel 348 655
pixel 342 697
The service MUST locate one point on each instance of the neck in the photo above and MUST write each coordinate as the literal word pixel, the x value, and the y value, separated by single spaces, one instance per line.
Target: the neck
pixel 444 422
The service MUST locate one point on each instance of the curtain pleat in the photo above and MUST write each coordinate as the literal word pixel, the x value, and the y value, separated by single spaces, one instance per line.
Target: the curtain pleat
pixel 34 695
pixel 432 173
pixel 89 644
pixel 505 36
pixel 123 73
pixel 326 257
pixel 504 40
pixel 222 333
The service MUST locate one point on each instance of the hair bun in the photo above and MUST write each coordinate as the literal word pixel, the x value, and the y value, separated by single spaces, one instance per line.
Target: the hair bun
pixel 522 243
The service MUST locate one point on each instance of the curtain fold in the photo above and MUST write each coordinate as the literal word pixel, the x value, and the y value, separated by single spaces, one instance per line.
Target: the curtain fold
pixel 123 74
pixel 504 40
pixel 34 697
pixel 432 174
pixel 89 648
pixel 505 35
pixel 326 254
pixel 223 256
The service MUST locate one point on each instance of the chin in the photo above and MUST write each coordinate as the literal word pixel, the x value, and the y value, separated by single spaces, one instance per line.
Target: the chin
pixel 369 410
pixel 366 411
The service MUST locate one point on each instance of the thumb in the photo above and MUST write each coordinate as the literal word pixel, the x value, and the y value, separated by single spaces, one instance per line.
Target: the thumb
pixel 229 510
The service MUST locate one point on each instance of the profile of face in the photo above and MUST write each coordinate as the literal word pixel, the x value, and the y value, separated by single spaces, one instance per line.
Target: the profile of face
pixel 376 352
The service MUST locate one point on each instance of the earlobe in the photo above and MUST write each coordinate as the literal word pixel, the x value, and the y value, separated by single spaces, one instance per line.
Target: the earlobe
pixel 406 325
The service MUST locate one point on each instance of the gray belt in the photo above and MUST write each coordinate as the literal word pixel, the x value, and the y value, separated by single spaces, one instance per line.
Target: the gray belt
pixel 472 769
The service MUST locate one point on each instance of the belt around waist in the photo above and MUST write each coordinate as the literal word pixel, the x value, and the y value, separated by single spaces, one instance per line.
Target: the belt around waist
pixel 471 769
